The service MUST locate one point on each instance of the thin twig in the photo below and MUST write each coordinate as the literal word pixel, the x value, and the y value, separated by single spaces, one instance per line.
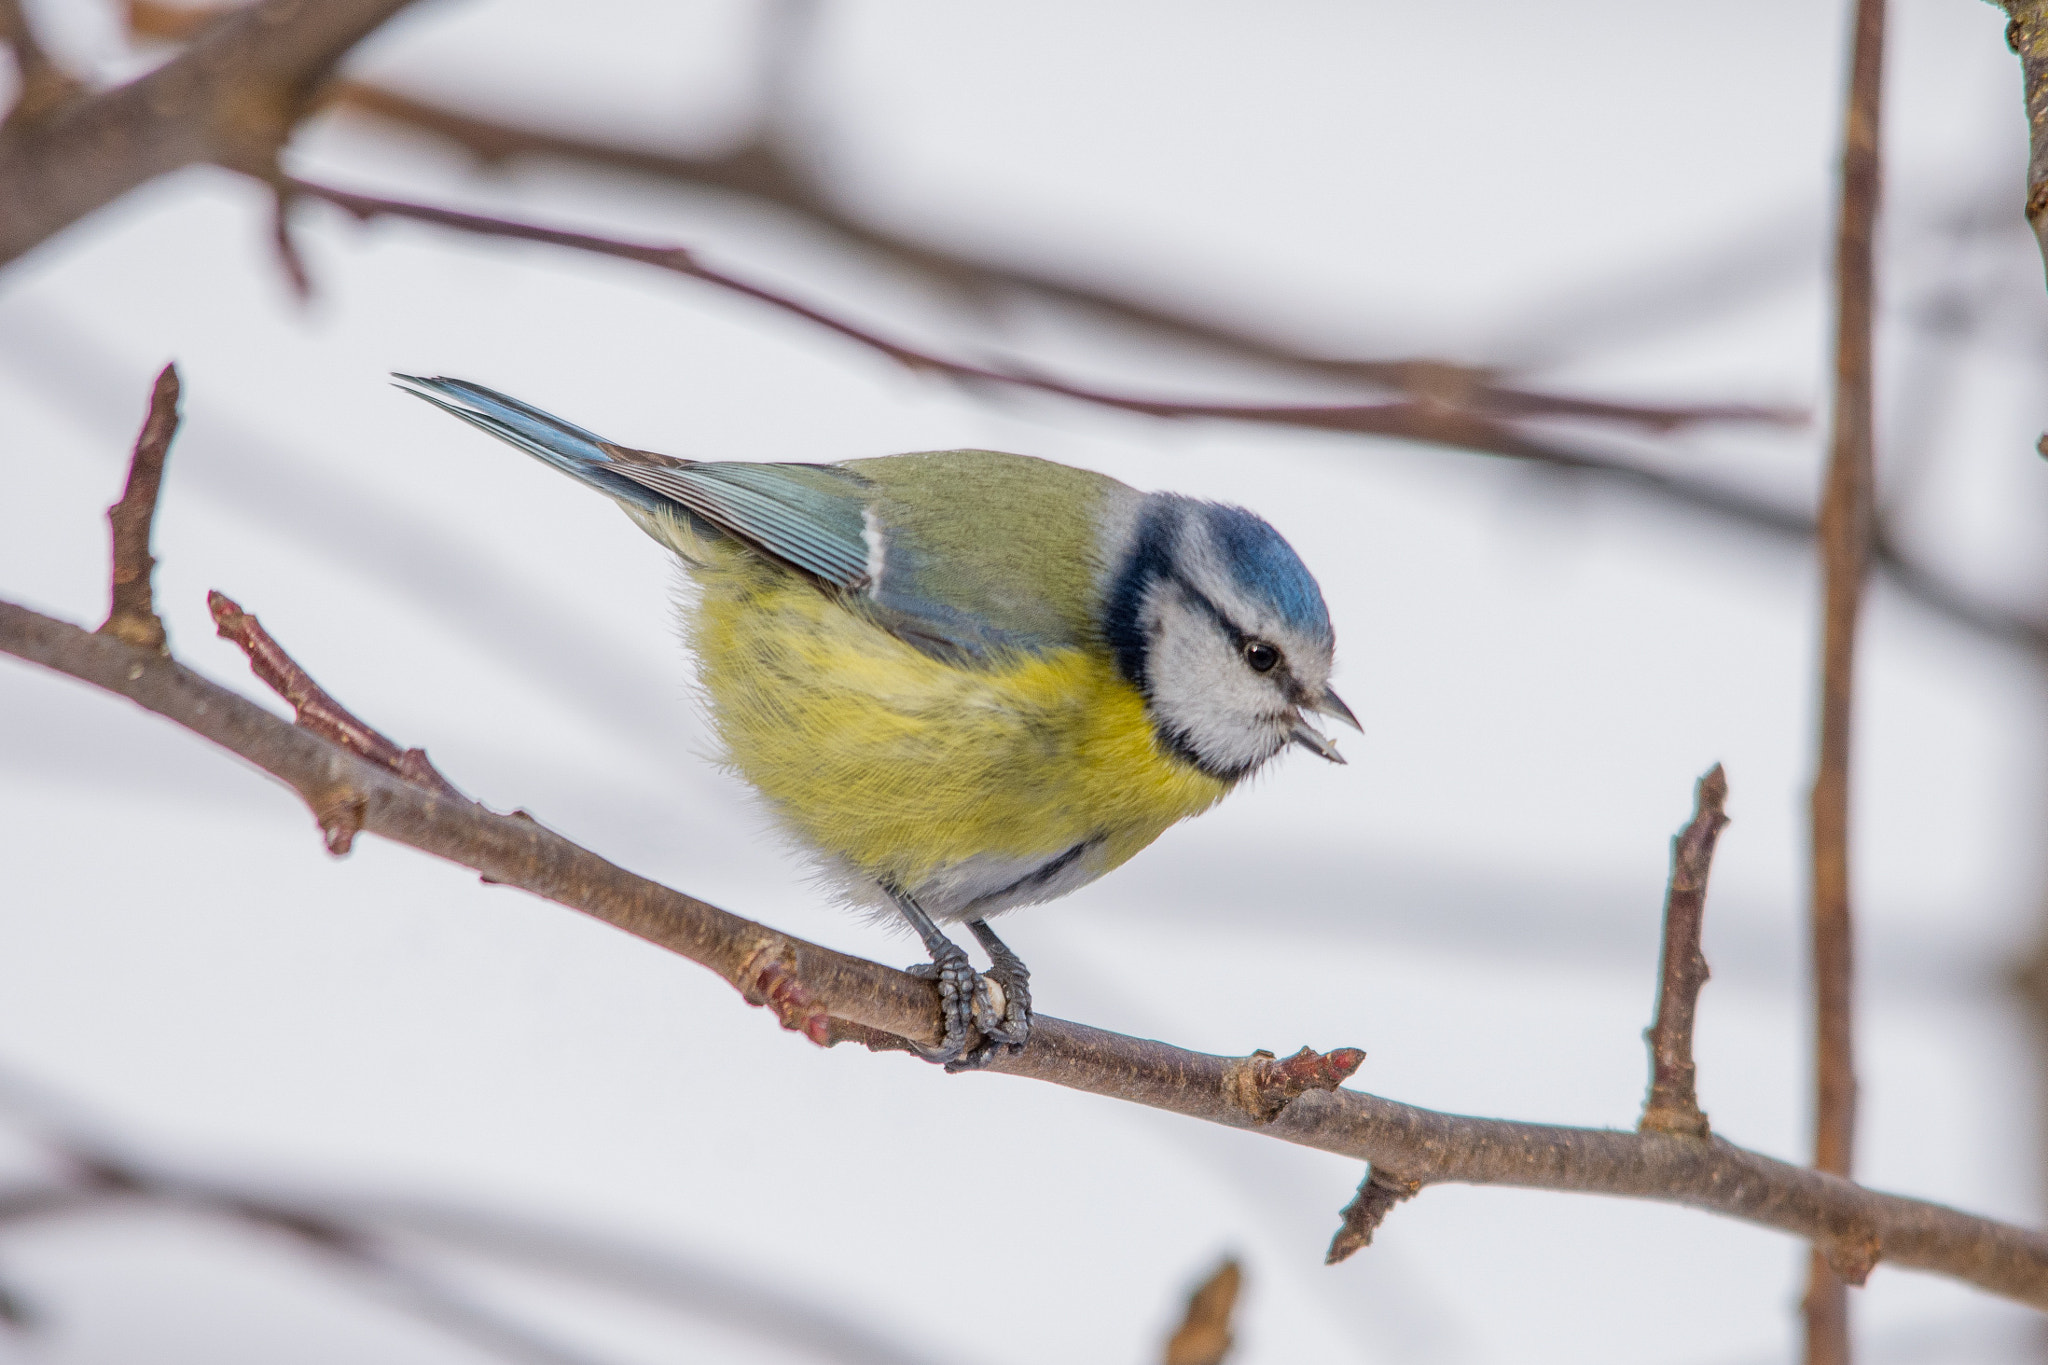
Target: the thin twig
pixel 132 615
pixel 1434 420
pixel 1418 1143
pixel 1674 1104
pixel 315 710
pixel 1844 545
pixel 1203 1337
pixel 1361 1218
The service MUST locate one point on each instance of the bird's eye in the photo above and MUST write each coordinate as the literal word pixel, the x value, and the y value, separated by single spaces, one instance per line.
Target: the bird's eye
pixel 1261 656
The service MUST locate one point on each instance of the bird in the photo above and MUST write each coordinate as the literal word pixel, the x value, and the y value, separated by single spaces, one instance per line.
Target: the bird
pixel 966 681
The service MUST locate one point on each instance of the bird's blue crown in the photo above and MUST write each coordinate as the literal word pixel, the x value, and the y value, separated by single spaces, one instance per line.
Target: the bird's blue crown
pixel 1266 568
pixel 1260 563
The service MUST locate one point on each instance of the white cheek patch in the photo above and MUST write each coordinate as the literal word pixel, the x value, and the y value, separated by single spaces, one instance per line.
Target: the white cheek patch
pixel 1202 692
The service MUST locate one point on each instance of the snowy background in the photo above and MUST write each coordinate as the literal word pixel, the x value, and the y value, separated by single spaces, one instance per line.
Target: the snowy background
pixel 1633 201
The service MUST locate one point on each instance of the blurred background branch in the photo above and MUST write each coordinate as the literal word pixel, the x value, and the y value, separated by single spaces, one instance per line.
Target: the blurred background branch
pixel 231 98
pixel 409 1253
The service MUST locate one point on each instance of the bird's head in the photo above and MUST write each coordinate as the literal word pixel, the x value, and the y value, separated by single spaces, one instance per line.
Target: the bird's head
pixel 1217 621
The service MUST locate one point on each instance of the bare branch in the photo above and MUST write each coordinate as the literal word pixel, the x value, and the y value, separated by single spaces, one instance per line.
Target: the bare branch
pixel 132 616
pixel 315 710
pixel 775 172
pixel 1203 1337
pixel 1844 544
pixel 1674 1105
pixel 1419 1143
pixel 1434 420
pixel 1376 1197
pixel 768 173
pixel 230 98
pixel 2027 36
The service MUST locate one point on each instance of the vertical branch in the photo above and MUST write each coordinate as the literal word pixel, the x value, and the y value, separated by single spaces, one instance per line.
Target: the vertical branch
pixel 1844 536
pixel 1674 1104
pixel 2027 35
pixel 132 618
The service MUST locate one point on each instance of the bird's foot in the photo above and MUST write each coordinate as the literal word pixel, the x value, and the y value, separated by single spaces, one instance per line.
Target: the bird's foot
pixel 980 1017
pixel 1003 1007
pixel 962 997
pixel 982 1021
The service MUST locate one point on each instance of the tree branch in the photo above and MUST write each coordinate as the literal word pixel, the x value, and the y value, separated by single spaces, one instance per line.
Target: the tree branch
pixel 2027 36
pixel 230 98
pixel 315 710
pixel 772 172
pixel 1844 546
pixel 1361 1218
pixel 1673 1105
pixel 1420 1143
pixel 132 616
pixel 1433 421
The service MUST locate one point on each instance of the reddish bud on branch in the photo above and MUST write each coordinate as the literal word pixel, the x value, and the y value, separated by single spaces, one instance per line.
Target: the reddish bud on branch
pixel 1263 1086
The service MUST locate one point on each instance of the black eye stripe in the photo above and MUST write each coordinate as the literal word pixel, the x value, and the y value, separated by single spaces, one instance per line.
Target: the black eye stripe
pixel 1241 639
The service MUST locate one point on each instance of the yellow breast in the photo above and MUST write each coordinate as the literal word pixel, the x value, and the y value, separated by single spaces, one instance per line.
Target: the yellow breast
pixel 903 765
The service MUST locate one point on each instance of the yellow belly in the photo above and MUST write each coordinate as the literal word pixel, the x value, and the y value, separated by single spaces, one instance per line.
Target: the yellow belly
pixel 903 766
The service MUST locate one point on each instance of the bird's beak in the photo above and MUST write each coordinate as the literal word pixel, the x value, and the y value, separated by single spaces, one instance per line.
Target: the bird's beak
pixel 1332 705
pixel 1313 740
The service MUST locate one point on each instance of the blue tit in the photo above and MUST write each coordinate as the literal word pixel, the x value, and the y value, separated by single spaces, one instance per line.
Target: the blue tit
pixel 967 681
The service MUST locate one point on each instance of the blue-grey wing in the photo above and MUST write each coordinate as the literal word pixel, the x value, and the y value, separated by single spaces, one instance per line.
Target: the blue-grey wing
pixel 926 567
pixel 810 517
pixel 822 519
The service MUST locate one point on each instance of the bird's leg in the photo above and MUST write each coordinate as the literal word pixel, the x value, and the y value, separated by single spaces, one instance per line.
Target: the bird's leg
pixel 961 989
pixel 1008 971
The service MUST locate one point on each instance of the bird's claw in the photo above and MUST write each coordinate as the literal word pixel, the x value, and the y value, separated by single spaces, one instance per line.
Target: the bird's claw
pixel 960 990
pixel 983 1016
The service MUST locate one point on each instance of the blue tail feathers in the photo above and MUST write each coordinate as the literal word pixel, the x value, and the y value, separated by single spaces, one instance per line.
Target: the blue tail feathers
pixel 568 447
